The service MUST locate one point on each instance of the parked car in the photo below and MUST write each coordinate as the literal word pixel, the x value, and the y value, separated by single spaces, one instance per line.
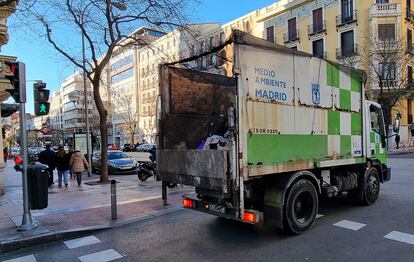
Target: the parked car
pixel 145 147
pixel 128 148
pixel 118 163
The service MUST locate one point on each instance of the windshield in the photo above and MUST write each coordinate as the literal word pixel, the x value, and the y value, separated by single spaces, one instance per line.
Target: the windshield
pixel 116 155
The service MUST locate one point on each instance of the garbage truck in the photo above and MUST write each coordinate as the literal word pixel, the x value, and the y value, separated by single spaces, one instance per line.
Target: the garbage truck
pixel 264 141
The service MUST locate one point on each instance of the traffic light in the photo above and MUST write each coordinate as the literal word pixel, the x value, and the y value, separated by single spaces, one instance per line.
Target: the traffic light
pixel 17 80
pixel 41 98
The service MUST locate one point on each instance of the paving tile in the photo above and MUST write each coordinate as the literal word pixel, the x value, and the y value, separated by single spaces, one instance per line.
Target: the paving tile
pixel 81 242
pixel 29 258
pixel 349 225
pixel 102 256
pixel 401 237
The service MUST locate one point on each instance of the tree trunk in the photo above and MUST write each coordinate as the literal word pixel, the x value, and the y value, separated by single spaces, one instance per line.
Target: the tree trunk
pixel 103 128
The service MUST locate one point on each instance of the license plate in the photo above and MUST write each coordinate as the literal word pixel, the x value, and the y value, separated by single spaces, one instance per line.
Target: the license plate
pixel 218 209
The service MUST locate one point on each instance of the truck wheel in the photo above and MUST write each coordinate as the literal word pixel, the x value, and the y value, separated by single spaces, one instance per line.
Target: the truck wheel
pixel 300 207
pixel 371 187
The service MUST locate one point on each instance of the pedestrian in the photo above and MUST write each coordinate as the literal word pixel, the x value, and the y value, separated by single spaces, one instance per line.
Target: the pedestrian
pixel 48 157
pixel 62 166
pixel 397 140
pixel 5 154
pixel 69 154
pixel 78 165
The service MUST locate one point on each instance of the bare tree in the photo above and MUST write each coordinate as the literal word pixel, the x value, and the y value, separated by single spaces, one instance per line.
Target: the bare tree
pixel 387 59
pixel 104 25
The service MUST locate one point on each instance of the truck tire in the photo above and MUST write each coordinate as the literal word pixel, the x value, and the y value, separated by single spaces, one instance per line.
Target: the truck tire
pixel 371 187
pixel 301 206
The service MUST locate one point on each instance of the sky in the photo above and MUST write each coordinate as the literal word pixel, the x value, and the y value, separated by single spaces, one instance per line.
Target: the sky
pixel 43 63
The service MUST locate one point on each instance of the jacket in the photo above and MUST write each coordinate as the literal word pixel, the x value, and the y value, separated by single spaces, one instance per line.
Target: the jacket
pixel 48 157
pixel 78 162
pixel 62 163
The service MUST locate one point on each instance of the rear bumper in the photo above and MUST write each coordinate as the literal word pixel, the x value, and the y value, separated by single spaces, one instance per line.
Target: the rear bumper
pixel 220 210
pixel 118 171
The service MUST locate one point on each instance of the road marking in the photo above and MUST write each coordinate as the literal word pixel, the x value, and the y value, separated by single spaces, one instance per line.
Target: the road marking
pixel 319 215
pixel 402 237
pixel 80 242
pixel 349 225
pixel 29 258
pixel 102 256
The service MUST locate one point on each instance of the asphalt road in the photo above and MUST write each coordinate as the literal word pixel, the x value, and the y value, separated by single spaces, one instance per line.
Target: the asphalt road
pixel 192 236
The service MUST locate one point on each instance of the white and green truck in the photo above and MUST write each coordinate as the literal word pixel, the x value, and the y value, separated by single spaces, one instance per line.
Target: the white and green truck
pixel 294 127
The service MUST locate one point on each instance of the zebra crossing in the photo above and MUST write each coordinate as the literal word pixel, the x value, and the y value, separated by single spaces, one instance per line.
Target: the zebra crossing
pixel 101 256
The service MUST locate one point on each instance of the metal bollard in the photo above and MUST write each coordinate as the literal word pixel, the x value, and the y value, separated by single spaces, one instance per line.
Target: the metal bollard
pixel 164 193
pixel 114 215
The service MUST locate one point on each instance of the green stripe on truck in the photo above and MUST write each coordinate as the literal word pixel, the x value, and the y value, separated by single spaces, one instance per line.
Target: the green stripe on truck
pixel 269 150
pixel 356 124
pixel 334 122
pixel 345 99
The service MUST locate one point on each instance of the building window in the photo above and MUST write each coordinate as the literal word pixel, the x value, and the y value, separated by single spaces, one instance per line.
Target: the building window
pixel 122 76
pixel 317 20
pixel 410 76
pixel 247 26
pixel 317 47
pixel 292 34
pixel 270 34
pixel 222 38
pixel 347 7
pixel 409 39
pixel 387 71
pixel 348 47
pixel 386 32
pixel 122 62
pixel 382 1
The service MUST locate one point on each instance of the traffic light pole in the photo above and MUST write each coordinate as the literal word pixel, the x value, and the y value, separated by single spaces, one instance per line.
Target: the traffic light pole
pixel 27 221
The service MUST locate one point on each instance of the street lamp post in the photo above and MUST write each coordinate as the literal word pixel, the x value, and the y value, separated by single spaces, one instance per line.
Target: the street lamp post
pixel 85 97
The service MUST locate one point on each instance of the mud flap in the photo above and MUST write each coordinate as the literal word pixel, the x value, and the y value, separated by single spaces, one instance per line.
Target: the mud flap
pixel 273 206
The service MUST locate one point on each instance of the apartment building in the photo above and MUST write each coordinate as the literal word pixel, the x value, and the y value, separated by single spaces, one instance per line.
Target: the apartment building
pixel 71 99
pixel 352 32
pixel 119 88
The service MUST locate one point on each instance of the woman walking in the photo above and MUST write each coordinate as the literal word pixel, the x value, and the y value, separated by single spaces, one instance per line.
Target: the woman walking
pixel 78 164
pixel 62 166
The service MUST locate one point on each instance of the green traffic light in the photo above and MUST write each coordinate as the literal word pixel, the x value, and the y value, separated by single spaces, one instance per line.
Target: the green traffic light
pixel 42 108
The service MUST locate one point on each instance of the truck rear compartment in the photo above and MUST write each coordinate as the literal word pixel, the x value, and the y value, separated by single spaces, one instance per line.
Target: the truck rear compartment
pixel 194 107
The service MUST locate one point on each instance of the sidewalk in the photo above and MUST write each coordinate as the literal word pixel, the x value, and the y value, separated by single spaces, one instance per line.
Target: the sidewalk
pixel 402 150
pixel 75 211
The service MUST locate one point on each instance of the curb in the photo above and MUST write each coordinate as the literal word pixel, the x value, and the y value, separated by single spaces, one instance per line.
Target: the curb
pixel 396 153
pixel 11 245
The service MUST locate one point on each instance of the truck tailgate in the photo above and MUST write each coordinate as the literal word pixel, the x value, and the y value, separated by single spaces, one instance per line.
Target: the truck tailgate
pixel 207 169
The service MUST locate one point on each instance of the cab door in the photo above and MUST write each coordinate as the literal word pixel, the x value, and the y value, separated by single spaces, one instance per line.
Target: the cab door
pixel 377 140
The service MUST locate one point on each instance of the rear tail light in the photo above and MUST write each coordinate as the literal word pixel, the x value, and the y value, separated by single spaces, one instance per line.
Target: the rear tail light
pixel 250 217
pixel 188 203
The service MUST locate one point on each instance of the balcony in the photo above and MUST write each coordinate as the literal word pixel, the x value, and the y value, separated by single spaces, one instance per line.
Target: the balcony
pixel 346 52
pixel 291 36
pixel 317 28
pixel 387 9
pixel 409 14
pixel 346 19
